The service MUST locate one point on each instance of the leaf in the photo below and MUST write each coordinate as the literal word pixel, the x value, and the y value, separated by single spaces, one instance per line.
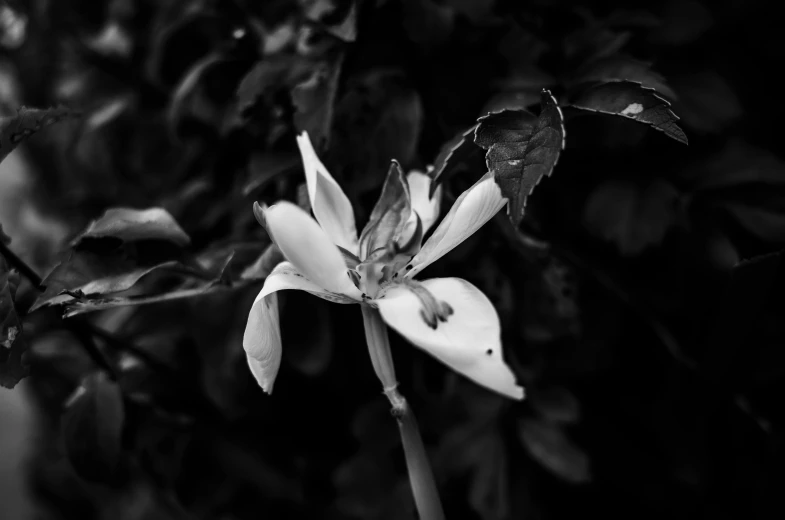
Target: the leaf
pixel 187 90
pixel 92 425
pixel 339 18
pixel 548 445
pixel 129 224
pixel 314 101
pixel 766 223
pixel 27 121
pixel 12 344
pixel 707 103
pixel 556 404
pixel 633 101
pixel 452 153
pixel 5 239
pixel 624 68
pixel 739 163
pixel 522 149
pixel 379 118
pixel 633 217
pixel 263 168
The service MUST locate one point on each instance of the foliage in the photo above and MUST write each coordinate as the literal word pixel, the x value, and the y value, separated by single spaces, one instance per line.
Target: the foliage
pixel 650 351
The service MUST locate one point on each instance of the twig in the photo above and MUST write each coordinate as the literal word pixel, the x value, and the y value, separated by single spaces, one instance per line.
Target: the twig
pixel 426 495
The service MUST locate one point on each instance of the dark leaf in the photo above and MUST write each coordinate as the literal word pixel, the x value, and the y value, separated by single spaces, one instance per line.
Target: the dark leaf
pixel 5 239
pixel 27 121
pixel 633 101
pixel 263 168
pixel 738 163
pixel 129 224
pixel 263 76
pixel 684 21
pixel 765 222
pixel 452 153
pixel 92 425
pixel 379 118
pixel 390 213
pixel 188 90
pixel 707 102
pixel 547 443
pixel 556 404
pixel 91 273
pixel 427 23
pixel 632 217
pixel 522 149
pixel 12 344
pixel 624 68
pixel 314 101
pixel 339 18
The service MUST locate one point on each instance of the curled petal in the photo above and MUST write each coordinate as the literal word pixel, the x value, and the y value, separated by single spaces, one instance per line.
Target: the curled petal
pixel 454 322
pixel 309 249
pixel 471 210
pixel 426 207
pixel 329 203
pixel 262 338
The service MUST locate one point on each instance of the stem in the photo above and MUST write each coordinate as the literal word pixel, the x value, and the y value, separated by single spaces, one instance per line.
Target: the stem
pixel 426 495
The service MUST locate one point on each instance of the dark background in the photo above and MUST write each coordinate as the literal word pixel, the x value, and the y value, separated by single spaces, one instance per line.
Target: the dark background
pixel 642 297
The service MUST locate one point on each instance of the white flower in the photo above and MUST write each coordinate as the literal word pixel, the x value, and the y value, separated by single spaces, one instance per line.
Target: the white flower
pixel 447 317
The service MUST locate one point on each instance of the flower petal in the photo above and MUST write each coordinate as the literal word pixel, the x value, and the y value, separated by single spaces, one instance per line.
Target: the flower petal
pixel 426 207
pixel 389 215
pixel 329 203
pixel 473 208
pixel 468 341
pixel 262 338
pixel 308 247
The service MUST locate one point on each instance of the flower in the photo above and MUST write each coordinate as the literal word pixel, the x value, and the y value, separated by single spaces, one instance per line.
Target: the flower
pixel 449 318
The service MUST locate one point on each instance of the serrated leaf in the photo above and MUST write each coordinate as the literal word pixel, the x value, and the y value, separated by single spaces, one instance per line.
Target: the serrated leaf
pixel 92 425
pixel 548 444
pixel 314 101
pixel 27 121
pixel 12 343
pixel 633 101
pixel 624 68
pixel 452 152
pixel 522 149
pixel 129 224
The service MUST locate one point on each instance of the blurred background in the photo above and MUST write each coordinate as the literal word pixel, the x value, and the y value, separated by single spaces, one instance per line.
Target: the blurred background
pixel 641 297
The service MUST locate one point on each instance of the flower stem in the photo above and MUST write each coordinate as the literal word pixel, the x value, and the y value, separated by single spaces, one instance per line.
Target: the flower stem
pixel 426 496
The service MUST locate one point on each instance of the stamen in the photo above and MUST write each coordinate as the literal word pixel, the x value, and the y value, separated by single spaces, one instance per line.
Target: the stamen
pixel 433 311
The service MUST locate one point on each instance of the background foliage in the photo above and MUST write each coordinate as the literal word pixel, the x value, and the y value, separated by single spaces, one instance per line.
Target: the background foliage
pixel 641 292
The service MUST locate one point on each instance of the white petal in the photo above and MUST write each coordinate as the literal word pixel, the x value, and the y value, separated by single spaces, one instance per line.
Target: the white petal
pixel 329 203
pixel 308 247
pixel 469 341
pixel 262 338
pixel 426 207
pixel 473 208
